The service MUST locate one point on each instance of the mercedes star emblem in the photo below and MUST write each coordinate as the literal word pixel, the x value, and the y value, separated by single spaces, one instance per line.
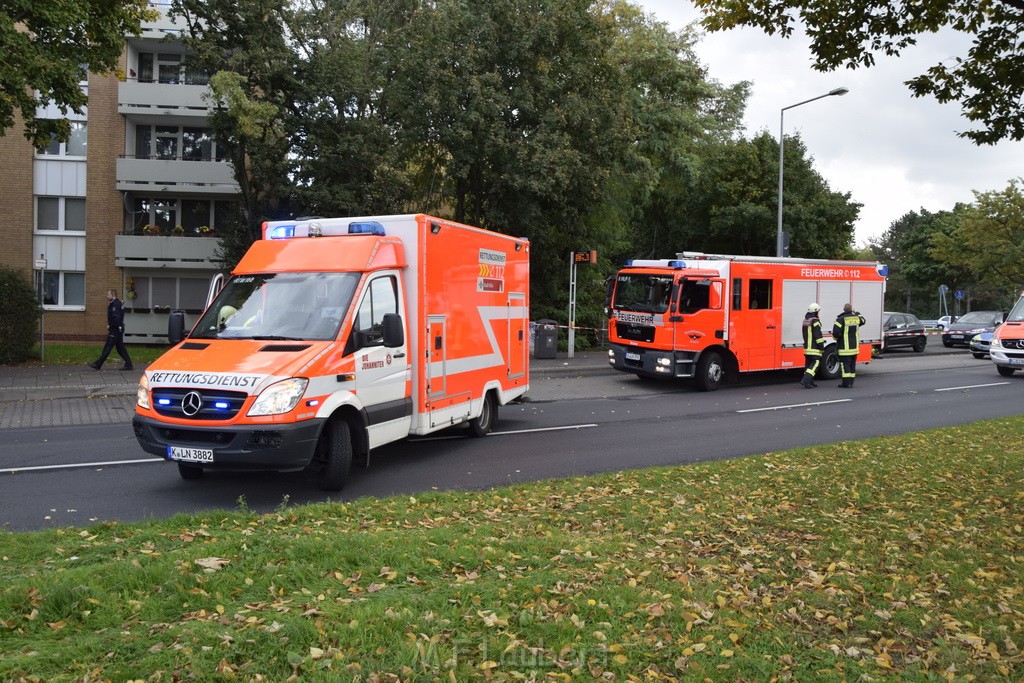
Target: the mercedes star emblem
pixel 192 403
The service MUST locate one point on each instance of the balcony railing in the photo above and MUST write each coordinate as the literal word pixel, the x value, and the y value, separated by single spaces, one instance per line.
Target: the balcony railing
pixel 184 175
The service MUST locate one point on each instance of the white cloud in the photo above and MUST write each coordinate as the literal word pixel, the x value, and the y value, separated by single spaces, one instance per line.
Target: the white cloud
pixel 894 153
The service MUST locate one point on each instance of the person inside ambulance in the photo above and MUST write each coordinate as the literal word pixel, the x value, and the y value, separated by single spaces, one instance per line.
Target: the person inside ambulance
pixel 813 345
pixel 846 332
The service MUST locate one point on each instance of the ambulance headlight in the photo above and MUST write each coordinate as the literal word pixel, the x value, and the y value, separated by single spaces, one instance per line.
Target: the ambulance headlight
pixel 280 397
pixel 996 344
pixel 142 393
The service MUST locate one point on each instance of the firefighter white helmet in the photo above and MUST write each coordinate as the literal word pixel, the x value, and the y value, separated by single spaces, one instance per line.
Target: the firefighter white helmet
pixel 813 308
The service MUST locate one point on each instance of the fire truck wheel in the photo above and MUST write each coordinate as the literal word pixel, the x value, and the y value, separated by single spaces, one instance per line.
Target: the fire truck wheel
pixel 482 426
pixel 829 368
pixel 189 471
pixel 334 455
pixel 710 371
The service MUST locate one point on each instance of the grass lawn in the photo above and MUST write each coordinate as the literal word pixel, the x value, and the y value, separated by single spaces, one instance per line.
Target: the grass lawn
pixel 80 354
pixel 892 559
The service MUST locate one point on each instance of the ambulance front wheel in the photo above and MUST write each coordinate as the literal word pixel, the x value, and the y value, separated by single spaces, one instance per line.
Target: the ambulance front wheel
pixel 830 367
pixel 334 455
pixel 710 371
pixel 189 471
pixel 482 426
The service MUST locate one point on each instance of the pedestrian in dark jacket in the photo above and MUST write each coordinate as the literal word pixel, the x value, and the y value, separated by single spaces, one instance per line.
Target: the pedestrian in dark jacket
pixel 115 333
pixel 813 344
pixel 846 332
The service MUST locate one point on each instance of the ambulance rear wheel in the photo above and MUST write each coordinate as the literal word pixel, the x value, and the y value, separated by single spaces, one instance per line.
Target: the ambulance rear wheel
pixel 334 455
pixel 710 371
pixel 829 368
pixel 482 426
pixel 189 471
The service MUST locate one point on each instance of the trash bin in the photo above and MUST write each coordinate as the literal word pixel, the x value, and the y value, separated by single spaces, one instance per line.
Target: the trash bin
pixel 546 342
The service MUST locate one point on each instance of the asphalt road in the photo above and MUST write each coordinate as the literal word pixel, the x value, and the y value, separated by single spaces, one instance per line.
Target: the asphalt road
pixel 80 475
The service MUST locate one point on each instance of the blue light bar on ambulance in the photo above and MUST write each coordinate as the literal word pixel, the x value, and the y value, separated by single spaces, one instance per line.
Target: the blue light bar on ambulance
pixel 677 264
pixel 629 262
pixel 282 232
pixel 366 228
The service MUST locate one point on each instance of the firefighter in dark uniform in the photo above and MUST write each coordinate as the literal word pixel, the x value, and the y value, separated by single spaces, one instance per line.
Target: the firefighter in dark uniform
pixel 846 332
pixel 813 344
pixel 115 333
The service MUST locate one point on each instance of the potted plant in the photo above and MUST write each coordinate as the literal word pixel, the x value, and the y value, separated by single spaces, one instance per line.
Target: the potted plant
pixel 178 231
pixel 151 229
pixel 205 231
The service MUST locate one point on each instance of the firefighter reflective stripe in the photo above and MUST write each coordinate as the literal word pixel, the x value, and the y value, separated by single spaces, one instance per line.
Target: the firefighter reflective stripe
pixel 812 337
pixel 846 333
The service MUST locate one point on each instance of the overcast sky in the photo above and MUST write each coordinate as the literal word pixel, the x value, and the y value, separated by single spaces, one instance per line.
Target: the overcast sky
pixel 894 153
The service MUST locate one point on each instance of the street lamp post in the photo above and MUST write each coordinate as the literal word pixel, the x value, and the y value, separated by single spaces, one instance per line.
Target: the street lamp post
pixel 782 114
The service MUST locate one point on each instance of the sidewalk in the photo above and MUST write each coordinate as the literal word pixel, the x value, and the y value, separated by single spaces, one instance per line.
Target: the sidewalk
pixel 20 383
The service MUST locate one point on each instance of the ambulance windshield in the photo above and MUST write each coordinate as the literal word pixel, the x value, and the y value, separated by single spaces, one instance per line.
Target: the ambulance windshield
pixel 283 306
pixel 638 292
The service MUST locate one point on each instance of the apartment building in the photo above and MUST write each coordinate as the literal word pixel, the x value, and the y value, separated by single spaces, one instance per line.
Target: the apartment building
pixel 132 201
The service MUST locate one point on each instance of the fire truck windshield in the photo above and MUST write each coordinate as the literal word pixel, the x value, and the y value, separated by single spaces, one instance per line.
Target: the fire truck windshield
pixel 638 292
pixel 299 306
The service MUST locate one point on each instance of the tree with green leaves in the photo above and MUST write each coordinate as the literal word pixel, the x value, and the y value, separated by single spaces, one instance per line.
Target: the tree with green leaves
pixel 914 273
pixel 988 81
pixel 49 48
pixel 19 316
pixel 988 243
pixel 732 206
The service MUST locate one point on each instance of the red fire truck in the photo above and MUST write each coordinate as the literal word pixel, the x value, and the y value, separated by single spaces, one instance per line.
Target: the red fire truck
pixel 706 317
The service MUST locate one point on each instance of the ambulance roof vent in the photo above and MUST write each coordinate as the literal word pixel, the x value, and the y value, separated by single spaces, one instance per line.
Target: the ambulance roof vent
pixel 366 228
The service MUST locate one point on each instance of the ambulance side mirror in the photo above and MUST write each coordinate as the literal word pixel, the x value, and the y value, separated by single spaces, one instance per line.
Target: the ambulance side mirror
pixel 175 327
pixel 394 330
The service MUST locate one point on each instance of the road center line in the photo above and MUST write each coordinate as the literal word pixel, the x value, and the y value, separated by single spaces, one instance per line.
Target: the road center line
pixel 973 386
pixel 73 465
pixel 514 431
pixel 795 405
pixel 543 429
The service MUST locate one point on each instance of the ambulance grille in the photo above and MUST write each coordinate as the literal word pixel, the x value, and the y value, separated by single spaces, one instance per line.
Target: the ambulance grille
pixel 634 332
pixel 212 404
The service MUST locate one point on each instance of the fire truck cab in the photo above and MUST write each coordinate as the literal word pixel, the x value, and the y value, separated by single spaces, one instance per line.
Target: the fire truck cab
pixel 707 317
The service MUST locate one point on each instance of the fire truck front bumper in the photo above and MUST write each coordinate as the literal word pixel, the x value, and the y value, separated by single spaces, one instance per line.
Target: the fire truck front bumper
pixel 651 362
pixel 249 447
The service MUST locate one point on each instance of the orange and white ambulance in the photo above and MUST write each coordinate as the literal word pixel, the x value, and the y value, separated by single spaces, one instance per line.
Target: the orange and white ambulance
pixel 1007 349
pixel 706 317
pixel 334 336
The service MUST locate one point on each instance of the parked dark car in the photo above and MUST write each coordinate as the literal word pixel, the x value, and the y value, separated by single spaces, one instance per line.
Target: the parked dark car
pixel 963 330
pixel 903 329
pixel 980 344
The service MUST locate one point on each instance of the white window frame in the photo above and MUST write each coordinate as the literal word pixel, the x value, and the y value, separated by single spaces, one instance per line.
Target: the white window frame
pixel 61 289
pixel 62 148
pixel 61 217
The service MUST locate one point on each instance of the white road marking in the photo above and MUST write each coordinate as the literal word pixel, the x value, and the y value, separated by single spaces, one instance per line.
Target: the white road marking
pixel 515 431
pixel 73 465
pixel 795 405
pixel 973 386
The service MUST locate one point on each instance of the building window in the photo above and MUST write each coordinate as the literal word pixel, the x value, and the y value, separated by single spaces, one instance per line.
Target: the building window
pixel 63 289
pixel 194 144
pixel 75 146
pixel 60 213
pixel 170 68
pixel 191 214
pixel 185 293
